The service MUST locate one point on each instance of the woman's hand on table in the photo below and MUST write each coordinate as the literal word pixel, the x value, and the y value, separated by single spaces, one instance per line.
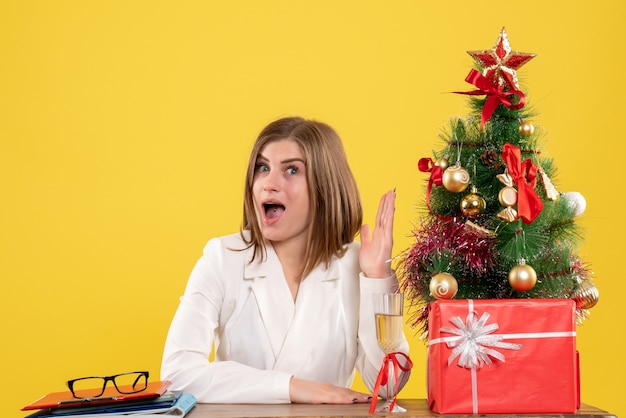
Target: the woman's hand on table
pixel 306 391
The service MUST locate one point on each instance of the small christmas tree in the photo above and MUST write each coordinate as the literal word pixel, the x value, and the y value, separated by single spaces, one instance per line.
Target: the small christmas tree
pixel 495 226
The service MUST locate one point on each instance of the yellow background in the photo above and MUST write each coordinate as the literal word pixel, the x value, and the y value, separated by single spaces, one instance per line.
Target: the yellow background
pixel 125 128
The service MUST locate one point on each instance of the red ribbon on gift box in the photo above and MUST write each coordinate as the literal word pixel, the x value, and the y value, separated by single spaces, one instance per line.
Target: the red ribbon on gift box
pixel 383 376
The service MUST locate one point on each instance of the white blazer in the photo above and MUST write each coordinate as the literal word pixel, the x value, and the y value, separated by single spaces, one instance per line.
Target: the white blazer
pixel 262 338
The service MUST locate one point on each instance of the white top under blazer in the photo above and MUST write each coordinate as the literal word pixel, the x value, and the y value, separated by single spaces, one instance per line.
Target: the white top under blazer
pixel 262 337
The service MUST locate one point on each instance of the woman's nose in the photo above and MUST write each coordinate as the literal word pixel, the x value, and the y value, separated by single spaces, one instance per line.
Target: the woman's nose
pixel 271 182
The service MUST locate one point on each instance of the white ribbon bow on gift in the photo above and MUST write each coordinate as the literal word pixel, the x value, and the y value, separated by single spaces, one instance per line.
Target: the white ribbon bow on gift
pixel 474 340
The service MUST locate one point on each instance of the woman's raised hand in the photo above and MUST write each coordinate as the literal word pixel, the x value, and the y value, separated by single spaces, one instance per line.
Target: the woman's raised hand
pixel 375 255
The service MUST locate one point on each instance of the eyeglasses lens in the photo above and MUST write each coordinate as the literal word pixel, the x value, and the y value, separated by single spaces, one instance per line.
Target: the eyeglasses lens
pixel 131 382
pixel 125 383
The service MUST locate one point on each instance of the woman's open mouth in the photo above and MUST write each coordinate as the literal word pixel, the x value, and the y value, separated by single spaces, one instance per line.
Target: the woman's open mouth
pixel 273 211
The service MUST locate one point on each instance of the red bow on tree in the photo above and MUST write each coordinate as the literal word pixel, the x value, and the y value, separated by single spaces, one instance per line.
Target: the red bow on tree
pixel 495 94
pixel 524 174
pixel 426 165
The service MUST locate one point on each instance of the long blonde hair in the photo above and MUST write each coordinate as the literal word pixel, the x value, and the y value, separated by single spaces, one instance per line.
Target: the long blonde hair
pixel 336 207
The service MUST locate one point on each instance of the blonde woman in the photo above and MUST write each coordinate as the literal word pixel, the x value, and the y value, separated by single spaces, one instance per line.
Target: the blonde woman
pixel 287 301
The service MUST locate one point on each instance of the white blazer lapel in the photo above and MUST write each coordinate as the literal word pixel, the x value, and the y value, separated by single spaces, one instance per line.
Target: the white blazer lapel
pixel 272 297
pixel 317 294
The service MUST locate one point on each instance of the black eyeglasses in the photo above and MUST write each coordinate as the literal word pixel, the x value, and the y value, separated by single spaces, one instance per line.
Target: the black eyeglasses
pixel 94 386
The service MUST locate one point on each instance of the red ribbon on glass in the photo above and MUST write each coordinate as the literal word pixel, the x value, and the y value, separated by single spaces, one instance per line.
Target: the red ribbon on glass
pixel 524 174
pixel 383 376
pixel 495 94
pixel 426 165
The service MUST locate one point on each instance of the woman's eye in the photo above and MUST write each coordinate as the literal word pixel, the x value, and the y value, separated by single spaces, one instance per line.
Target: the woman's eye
pixel 261 168
pixel 292 170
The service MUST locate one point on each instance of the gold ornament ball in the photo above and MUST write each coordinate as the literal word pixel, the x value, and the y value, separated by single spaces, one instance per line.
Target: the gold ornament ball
pixel 586 295
pixel 442 163
pixel 522 277
pixel 443 286
pixel 507 196
pixel 473 204
pixel 526 128
pixel 455 178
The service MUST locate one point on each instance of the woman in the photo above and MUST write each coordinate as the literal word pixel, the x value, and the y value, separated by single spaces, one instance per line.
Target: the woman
pixel 288 300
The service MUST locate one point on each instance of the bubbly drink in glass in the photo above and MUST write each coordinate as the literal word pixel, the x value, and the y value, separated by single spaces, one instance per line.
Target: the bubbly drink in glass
pixel 388 311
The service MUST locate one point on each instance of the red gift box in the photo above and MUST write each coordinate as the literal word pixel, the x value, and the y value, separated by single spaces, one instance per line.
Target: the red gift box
pixel 502 356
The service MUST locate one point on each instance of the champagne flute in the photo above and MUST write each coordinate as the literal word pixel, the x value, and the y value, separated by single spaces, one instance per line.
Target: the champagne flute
pixel 388 311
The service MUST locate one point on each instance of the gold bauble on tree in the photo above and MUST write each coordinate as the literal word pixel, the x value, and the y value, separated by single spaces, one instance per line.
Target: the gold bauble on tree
pixel 442 163
pixel 522 277
pixel 507 196
pixel 443 286
pixel 526 128
pixel 455 178
pixel 473 204
pixel 586 295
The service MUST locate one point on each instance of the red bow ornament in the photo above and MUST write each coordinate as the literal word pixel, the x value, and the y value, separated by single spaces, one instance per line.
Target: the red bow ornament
pixel 495 94
pixel 524 176
pixel 426 165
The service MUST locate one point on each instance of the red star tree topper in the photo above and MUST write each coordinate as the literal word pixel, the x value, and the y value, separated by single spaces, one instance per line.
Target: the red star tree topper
pixel 501 59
